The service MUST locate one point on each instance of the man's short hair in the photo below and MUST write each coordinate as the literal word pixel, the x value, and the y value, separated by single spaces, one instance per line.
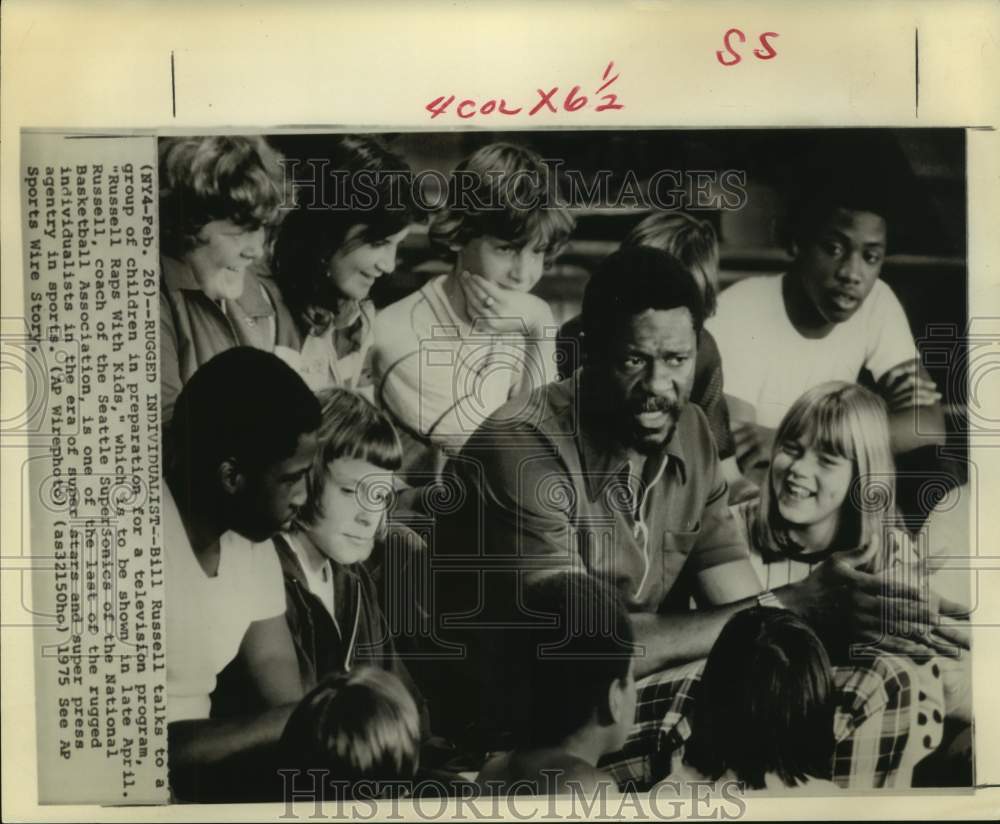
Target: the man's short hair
pixel 582 642
pixel 243 404
pixel 629 282
pixel 223 177
pixel 503 191
pixel 814 209
pixel 847 172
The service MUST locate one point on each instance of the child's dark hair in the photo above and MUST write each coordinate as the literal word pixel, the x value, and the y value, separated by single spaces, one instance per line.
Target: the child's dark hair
pixel 629 282
pixel 765 702
pixel 203 179
pixel 372 188
pixel 583 642
pixel 244 404
pixel 503 191
pixel 351 427
pixel 361 726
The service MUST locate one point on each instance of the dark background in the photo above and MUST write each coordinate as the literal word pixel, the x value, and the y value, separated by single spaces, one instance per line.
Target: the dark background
pixel 921 173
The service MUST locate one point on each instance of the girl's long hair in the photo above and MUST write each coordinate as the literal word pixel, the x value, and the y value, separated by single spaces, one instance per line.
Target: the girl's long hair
pixel 848 420
pixel 373 190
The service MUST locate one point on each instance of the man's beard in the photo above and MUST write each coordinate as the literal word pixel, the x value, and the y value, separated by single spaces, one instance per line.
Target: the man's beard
pixel 649 440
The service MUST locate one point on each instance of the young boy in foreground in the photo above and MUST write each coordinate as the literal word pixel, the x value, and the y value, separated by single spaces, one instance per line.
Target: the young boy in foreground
pixel 578 695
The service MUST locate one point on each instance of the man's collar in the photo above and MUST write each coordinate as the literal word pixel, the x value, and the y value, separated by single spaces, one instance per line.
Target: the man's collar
pixel 604 458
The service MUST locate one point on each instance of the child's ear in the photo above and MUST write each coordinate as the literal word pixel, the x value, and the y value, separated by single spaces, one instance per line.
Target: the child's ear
pixel 616 701
pixel 231 479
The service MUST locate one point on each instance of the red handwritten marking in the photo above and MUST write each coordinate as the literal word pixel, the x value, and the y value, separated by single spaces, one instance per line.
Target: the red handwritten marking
pixel 730 49
pixel 437 106
pixel 545 100
pixel 771 52
pixel 611 104
pixel 604 77
pixel 768 52
pixel 573 101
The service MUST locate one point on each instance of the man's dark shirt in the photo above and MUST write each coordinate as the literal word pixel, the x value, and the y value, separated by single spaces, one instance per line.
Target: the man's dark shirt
pixel 540 490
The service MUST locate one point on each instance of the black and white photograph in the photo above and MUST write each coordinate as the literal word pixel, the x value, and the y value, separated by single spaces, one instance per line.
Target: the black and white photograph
pixel 523 411
pixel 565 463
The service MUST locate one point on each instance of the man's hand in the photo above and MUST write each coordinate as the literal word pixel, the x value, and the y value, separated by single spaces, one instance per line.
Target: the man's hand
pixel 753 444
pixel 843 602
pixel 503 311
pixel 199 743
pixel 906 385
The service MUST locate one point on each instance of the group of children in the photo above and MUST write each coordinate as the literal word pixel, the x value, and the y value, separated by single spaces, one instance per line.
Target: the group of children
pixel 399 391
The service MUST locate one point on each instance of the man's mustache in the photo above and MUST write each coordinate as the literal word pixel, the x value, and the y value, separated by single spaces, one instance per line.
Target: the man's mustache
pixel 655 403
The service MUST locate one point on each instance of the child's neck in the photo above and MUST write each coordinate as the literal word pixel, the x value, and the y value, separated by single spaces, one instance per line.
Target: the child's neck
pixel 201 527
pixel 587 744
pixel 800 309
pixel 317 560
pixel 818 537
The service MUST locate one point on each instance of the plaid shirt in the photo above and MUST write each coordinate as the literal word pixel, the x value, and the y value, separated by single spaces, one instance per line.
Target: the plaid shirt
pixel 889 716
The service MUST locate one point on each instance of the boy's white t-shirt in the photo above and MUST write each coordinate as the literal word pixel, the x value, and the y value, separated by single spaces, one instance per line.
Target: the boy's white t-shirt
pixel 206 617
pixel 769 364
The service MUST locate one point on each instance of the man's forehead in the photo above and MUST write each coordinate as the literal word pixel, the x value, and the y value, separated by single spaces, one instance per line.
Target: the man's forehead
pixel 656 326
pixel 868 227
